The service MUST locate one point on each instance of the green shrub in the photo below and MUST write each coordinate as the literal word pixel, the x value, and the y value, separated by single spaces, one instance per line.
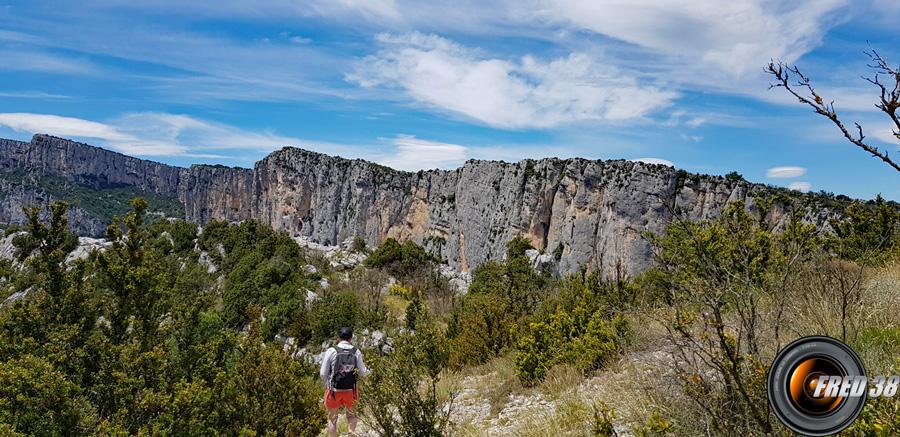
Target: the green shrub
pixel 602 425
pixel 416 313
pixel 180 235
pixel 36 399
pixel 359 245
pixel 518 246
pixel 401 397
pixel 140 339
pixel 868 233
pixel 400 259
pixel 734 176
pixel 331 311
pixel 479 329
pixel 574 327
pixel 260 268
pixel 267 391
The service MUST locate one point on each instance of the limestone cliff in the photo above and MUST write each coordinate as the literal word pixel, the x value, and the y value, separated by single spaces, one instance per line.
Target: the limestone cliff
pixel 591 213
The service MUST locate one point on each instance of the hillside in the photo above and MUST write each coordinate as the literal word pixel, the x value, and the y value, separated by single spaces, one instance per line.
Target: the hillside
pixel 588 213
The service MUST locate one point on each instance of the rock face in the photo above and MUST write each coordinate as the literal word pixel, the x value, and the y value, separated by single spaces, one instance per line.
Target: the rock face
pixel 585 212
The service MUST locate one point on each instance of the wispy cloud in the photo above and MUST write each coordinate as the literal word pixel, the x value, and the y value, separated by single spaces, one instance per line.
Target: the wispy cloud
pixel 735 37
pixel 786 172
pixel 411 153
pixel 38 95
pixel 526 93
pixel 44 62
pixel 655 161
pixel 161 134
pixel 803 187
pixel 179 64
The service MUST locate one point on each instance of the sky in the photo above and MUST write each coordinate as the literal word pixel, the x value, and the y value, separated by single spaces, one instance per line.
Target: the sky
pixel 421 84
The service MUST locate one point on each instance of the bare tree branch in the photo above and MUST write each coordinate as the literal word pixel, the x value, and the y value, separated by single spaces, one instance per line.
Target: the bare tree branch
pixel 797 84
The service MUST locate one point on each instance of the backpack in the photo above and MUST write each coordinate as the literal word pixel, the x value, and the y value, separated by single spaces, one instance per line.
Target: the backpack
pixel 343 369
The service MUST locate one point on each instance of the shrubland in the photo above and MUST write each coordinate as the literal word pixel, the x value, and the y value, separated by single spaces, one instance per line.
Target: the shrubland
pixel 174 329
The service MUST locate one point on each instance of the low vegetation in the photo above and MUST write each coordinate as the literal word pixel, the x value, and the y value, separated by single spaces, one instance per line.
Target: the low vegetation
pixel 101 203
pixel 173 330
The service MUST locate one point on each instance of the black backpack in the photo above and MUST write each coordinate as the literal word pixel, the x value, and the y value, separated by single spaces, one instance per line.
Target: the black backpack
pixel 343 369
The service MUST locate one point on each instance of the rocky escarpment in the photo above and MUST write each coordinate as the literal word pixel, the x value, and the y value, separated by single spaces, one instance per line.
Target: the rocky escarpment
pixel 584 212
pixel 91 166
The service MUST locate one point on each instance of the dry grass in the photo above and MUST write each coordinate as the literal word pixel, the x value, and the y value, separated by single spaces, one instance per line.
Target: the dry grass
pixel 571 417
pixel 561 381
pixel 396 306
pixel 641 382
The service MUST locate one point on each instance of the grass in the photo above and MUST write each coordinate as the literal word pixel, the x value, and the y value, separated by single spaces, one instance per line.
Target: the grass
pixel 561 381
pixel 396 306
pixel 571 417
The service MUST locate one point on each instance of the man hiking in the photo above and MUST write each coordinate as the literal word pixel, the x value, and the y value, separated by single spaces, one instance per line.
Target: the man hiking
pixel 341 367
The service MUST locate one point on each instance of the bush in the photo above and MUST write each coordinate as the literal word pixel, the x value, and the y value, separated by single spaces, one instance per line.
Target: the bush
pixel 734 176
pixel 400 260
pixel 173 235
pixel 268 391
pixel 260 268
pixel 867 233
pixel 359 245
pixel 500 297
pixel 518 246
pixel 479 329
pixel 140 340
pixel 562 339
pixel 401 397
pixel 36 399
pixel 331 311
pixel 730 283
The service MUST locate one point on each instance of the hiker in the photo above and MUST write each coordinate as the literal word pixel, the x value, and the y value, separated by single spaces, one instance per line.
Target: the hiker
pixel 341 367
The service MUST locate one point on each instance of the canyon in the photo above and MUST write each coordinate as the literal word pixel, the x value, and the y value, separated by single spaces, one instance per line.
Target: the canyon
pixel 591 214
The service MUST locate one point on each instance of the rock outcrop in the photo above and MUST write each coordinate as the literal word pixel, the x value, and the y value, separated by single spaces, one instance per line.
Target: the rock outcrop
pixel 588 213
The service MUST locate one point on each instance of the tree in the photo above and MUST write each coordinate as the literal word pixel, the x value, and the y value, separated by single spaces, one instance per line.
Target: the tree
pixel 734 177
pixel 46 247
pixel 799 85
pixel 721 277
pixel 133 277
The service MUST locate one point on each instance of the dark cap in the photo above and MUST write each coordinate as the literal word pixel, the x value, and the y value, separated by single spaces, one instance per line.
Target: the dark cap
pixel 345 333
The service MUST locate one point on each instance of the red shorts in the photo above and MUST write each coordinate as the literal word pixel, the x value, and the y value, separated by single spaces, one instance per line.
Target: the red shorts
pixel 342 398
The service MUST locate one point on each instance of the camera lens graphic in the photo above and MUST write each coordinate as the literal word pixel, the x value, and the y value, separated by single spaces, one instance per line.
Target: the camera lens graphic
pixel 804 380
pixel 794 377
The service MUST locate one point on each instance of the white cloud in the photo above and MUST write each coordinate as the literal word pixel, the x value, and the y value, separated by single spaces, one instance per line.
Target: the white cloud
pixel 785 172
pixel 62 126
pixel 803 187
pixel 655 161
pixel 161 134
pixel 527 93
pixel 737 36
pixel 885 134
pixel 40 95
pixel 412 154
pixel 371 9
pixel 694 138
pixel 39 61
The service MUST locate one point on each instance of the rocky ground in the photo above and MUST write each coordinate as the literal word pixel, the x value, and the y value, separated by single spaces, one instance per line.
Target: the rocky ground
pixel 8 252
pixel 488 401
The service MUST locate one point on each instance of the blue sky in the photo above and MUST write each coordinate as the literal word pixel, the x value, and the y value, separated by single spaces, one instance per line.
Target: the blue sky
pixel 417 84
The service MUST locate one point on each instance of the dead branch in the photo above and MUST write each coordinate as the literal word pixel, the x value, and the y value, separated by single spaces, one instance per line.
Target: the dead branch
pixel 799 85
